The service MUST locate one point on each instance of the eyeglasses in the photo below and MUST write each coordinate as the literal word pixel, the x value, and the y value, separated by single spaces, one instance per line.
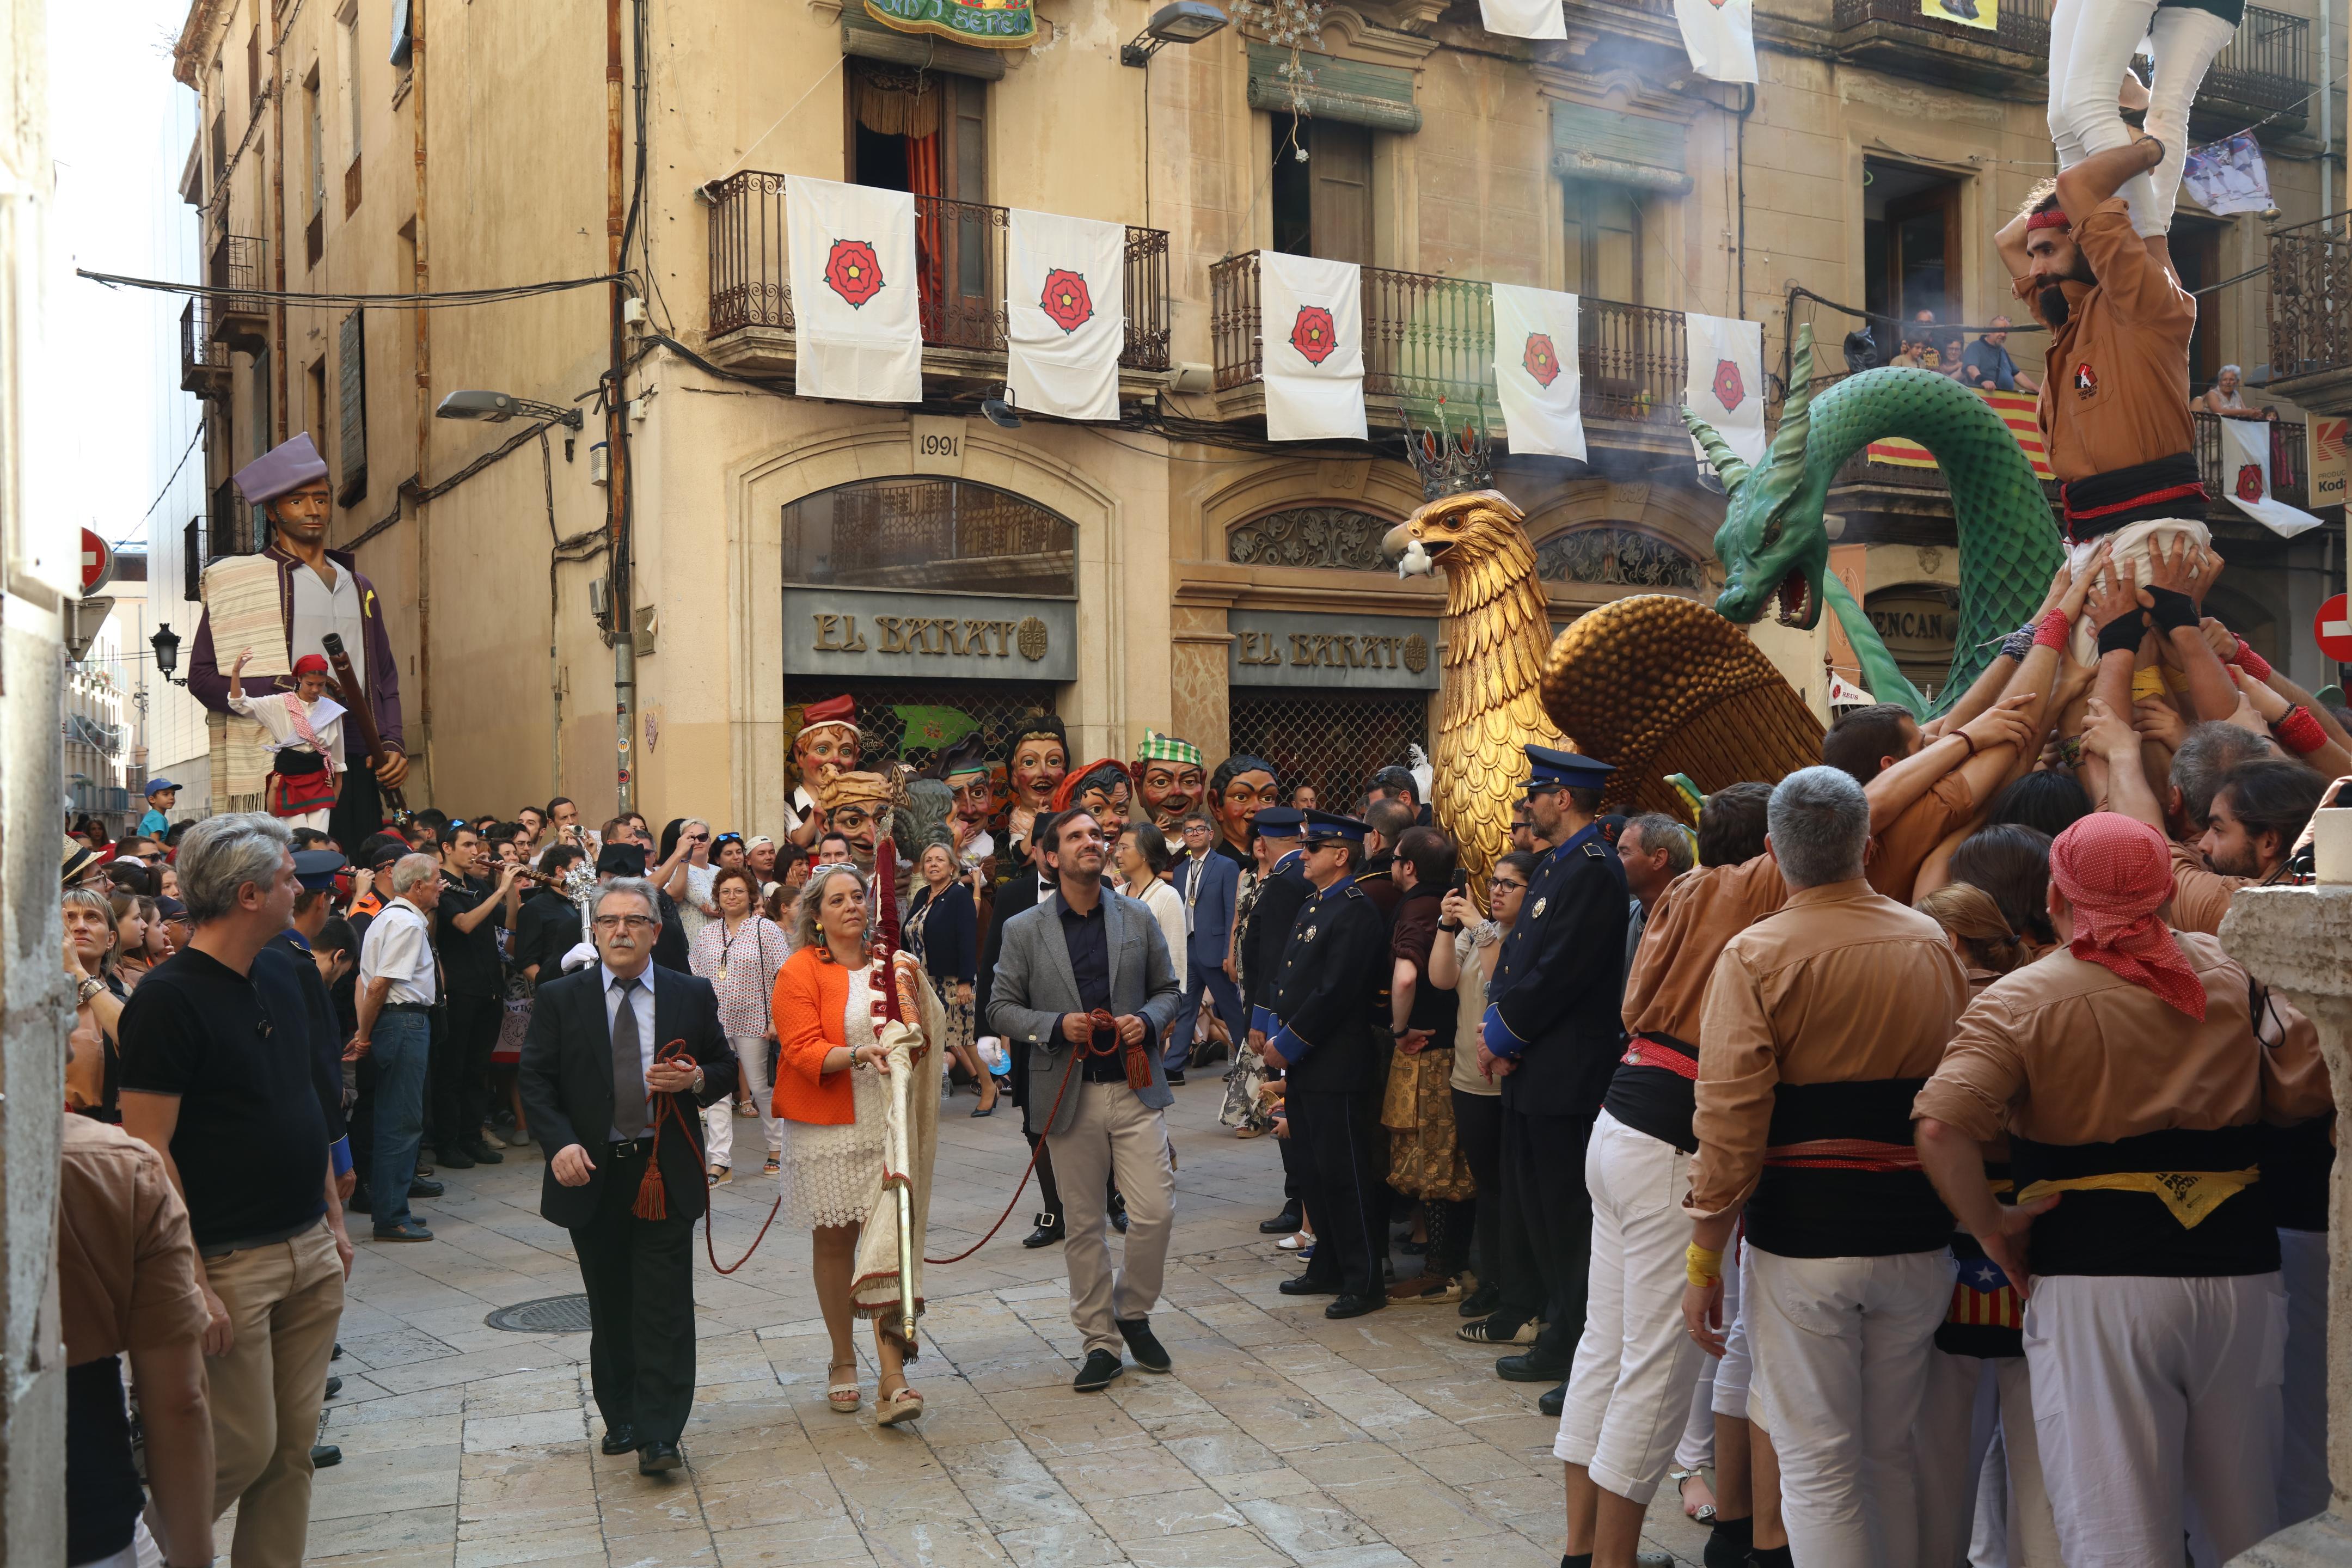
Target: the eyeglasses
pixel 1496 884
pixel 615 922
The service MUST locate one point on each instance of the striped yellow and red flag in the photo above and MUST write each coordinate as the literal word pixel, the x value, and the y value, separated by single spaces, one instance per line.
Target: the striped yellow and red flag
pixel 2018 410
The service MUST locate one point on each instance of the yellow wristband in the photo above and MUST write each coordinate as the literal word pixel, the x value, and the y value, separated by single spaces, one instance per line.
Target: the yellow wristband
pixel 1701 1267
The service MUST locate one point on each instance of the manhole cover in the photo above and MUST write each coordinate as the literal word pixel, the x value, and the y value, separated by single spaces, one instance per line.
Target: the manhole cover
pixel 548 1315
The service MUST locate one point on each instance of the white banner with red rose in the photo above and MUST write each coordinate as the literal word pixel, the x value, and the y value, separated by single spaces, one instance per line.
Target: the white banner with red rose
pixel 1534 371
pixel 1726 384
pixel 2246 472
pixel 858 330
pixel 1311 326
pixel 1065 314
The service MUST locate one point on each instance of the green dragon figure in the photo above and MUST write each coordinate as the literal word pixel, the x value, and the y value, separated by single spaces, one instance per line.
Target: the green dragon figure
pixel 1773 545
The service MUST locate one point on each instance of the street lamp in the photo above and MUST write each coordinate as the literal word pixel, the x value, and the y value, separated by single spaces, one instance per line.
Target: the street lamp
pixel 166 644
pixel 1178 22
pixel 498 408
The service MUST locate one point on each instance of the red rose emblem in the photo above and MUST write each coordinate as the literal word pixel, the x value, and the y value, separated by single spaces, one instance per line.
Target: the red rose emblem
pixel 1542 360
pixel 1730 389
pixel 1065 300
pixel 2250 482
pixel 1313 334
pixel 853 271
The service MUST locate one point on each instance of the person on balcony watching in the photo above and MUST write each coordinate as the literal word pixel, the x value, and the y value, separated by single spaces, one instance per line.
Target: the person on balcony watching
pixel 1987 367
pixel 2227 397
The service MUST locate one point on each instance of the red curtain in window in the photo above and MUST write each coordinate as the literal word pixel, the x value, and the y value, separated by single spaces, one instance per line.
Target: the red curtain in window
pixel 923 179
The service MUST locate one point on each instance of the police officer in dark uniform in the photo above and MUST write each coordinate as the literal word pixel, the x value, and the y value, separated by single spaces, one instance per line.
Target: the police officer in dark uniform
pixel 1262 939
pixel 1554 1029
pixel 1318 1020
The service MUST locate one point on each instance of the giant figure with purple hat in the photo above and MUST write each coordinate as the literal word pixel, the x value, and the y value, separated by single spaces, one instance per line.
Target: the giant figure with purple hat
pixel 281 602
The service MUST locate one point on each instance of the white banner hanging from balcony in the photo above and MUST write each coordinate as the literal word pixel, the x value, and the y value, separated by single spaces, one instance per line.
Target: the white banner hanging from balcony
pixel 1534 371
pixel 856 306
pixel 2246 471
pixel 1719 36
pixel 1726 387
pixel 1982 15
pixel 2229 177
pixel 1065 314
pixel 1524 18
pixel 1312 330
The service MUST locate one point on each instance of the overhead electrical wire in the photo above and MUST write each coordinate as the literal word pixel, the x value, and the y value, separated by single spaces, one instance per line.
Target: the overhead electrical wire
pixel 442 299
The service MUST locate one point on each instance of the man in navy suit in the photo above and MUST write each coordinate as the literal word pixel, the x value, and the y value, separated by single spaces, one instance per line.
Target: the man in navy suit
pixel 1208 883
pixel 595 1097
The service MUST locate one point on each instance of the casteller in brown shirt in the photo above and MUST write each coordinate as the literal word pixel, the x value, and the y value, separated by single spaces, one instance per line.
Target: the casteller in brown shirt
pixel 2114 388
pixel 126 1263
pixel 1820 1025
pixel 2201 895
pixel 2092 1075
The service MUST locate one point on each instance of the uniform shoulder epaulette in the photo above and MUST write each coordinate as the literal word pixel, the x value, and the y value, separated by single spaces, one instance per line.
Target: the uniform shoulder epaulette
pixel 1596 852
pixel 1354 891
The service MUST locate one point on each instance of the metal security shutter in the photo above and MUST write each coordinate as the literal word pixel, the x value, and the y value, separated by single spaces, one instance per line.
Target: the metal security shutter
pixel 1347 90
pixel 1590 143
pixel 1333 741
pixel 350 383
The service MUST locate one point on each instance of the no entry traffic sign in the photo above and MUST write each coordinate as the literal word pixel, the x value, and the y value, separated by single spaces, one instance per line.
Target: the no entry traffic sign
pixel 97 565
pixel 2333 628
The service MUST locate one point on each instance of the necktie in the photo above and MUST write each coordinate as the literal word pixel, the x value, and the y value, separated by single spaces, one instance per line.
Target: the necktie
pixel 628 1068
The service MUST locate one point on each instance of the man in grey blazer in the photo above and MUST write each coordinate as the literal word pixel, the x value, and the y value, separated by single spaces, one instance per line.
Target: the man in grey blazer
pixel 1089 951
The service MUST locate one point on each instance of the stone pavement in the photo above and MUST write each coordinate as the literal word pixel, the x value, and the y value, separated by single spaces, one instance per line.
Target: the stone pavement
pixel 1280 1438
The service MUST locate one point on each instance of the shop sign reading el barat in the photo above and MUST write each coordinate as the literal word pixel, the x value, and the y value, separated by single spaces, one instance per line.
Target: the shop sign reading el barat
pixel 1358 653
pixel 849 632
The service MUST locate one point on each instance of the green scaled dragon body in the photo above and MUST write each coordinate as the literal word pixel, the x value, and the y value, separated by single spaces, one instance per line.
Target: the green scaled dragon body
pixel 1774 546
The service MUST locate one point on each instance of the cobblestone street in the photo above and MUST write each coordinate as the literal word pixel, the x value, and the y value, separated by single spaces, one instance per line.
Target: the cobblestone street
pixel 1280 1438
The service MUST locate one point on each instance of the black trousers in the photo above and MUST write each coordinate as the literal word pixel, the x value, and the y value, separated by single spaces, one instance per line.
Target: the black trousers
pixel 358 810
pixel 639 1275
pixel 1342 1155
pixel 1543 1158
pixel 460 1077
pixel 1478 1131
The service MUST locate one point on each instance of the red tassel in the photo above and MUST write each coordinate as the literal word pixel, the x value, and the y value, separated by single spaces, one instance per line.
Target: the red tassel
pixel 653 1195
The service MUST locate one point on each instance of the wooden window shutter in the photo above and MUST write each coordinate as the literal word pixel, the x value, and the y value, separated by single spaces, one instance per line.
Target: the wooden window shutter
pixel 964 178
pixel 350 376
pixel 1340 211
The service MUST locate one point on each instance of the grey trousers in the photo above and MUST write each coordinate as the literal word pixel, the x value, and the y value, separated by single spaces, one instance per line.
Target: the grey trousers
pixel 1115 1139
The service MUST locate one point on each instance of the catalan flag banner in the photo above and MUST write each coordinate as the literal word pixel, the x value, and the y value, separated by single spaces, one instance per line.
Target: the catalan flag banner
pixel 2018 410
pixel 1986 1318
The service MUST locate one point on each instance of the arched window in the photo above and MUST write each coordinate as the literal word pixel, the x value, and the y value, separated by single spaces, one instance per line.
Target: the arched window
pixel 929 535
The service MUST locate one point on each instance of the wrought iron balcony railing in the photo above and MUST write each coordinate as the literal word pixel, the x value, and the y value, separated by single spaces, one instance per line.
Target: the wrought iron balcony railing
pixel 2266 68
pixel 1427 337
pixel 204 363
pixel 2288 480
pixel 959 255
pixel 2020 25
pixel 2311 298
pixel 239 262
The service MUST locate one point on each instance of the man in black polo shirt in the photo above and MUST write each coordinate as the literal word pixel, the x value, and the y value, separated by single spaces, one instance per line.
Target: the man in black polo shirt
pixel 547 926
pixel 217 1077
pixel 465 935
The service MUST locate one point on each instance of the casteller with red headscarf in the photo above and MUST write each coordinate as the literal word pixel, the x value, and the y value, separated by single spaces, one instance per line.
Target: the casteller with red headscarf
pixel 2116 872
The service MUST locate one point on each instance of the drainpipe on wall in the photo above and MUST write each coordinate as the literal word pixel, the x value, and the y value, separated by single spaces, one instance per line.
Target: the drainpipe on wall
pixel 616 437
pixel 422 284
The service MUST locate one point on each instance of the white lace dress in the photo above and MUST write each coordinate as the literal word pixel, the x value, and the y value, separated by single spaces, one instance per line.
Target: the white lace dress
pixel 827 1173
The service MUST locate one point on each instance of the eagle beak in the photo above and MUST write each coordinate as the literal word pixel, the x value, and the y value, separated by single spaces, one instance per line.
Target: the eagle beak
pixel 1396 541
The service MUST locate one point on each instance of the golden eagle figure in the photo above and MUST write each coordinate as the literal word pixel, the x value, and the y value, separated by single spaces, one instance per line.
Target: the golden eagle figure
pixel 1496 632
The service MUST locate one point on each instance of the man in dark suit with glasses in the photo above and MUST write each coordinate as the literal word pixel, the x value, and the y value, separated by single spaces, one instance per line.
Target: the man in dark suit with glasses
pixel 598 1100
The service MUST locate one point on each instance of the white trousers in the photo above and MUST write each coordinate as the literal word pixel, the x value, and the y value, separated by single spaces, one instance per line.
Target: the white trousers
pixel 2185 40
pixel 1629 1389
pixel 1840 1349
pixel 2303 1488
pixel 2132 545
pixel 1696 1449
pixel 719 1120
pixel 1970 1511
pixel 2152 1397
pixel 1732 1373
pixel 2091 41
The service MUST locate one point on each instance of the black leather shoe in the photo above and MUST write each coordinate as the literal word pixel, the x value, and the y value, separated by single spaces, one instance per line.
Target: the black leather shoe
pixel 1550 1403
pixel 1175 1080
pixel 1143 1345
pixel 1118 1220
pixel 654 1457
pixel 334 1386
pixel 1048 1231
pixel 1355 1306
pixel 1095 1375
pixel 620 1439
pixel 421 1188
pixel 1481 1302
pixel 323 1455
pixel 455 1158
pixel 1284 1224
pixel 1527 1369
pixel 1306 1285
pixel 481 1153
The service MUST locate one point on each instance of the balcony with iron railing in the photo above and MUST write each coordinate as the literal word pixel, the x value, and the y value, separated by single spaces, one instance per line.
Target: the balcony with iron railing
pixel 2008 59
pixel 1427 337
pixel 961 271
pixel 239 262
pixel 203 361
pixel 2265 73
pixel 2310 312
pixel 2289 482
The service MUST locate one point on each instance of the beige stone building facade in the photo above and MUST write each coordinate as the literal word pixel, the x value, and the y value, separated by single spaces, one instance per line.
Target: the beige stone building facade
pixel 1183 573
